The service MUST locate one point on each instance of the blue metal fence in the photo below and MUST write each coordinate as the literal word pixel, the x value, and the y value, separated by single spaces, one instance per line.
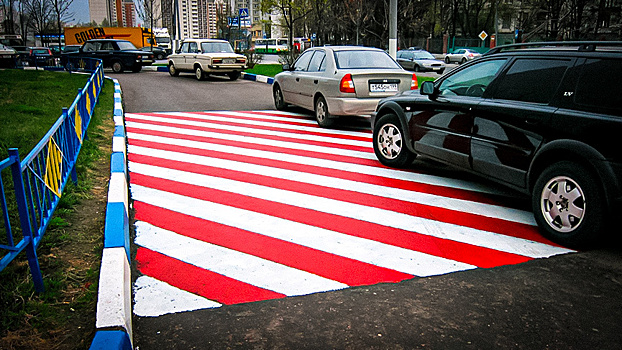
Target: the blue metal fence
pixel 39 179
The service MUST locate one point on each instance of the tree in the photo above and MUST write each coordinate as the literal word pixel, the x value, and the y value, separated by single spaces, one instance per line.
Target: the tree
pixel 292 11
pixel 39 14
pixel 60 9
pixel 149 11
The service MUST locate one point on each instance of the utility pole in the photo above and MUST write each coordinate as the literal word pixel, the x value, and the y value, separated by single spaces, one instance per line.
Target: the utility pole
pixel 393 28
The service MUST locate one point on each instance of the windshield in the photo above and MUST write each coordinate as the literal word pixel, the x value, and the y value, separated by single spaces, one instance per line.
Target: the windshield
pixel 162 40
pixel 126 45
pixel 361 59
pixel 216 47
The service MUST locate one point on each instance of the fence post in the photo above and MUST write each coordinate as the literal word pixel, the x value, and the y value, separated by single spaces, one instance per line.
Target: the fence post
pixel 24 218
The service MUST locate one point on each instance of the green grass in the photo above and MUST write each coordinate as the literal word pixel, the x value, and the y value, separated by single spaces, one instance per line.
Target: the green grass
pixel 30 103
pixel 69 255
pixel 269 70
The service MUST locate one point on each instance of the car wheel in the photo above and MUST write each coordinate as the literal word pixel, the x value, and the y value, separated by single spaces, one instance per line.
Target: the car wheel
pixel 137 69
pixel 234 75
pixel 463 60
pixel 417 69
pixel 568 205
pixel 198 73
pixel 447 60
pixel 321 113
pixel 117 67
pixel 390 143
pixel 279 102
pixel 172 70
pixel 160 56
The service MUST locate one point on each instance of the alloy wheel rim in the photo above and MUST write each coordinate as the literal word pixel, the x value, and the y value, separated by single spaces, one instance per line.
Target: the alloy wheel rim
pixel 563 204
pixel 321 113
pixel 390 141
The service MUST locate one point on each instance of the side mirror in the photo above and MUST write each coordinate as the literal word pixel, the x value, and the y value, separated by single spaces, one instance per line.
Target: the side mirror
pixel 286 67
pixel 427 88
pixel 177 51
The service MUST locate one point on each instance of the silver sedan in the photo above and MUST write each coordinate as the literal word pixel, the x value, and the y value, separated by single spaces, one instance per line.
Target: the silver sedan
pixel 340 80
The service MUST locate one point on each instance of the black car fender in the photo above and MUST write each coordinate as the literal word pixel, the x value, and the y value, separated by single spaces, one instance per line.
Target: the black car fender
pixel 578 152
pixel 392 107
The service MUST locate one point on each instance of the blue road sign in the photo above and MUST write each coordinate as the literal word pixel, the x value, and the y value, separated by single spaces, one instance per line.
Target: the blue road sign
pixel 243 12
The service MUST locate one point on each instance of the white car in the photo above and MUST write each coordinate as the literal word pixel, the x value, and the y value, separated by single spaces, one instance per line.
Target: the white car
pixel 206 57
pixel 340 80
pixel 461 56
pixel 8 56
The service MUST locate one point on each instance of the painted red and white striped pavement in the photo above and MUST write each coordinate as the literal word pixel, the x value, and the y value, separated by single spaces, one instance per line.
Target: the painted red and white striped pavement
pixel 235 207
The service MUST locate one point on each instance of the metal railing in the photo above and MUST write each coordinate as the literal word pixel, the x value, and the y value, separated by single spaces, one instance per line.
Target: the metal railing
pixel 39 179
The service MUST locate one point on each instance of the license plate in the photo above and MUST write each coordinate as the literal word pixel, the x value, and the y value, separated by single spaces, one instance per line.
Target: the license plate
pixel 228 61
pixel 383 87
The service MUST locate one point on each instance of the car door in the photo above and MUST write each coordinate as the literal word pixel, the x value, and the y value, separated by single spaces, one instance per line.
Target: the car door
pixel 510 125
pixel 443 127
pixel 290 82
pixel 105 52
pixel 179 59
pixel 310 79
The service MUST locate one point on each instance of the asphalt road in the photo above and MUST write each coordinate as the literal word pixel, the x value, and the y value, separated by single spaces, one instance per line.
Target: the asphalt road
pixel 570 301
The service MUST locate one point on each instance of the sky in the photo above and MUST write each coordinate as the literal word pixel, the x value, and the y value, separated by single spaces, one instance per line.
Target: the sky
pixel 80 9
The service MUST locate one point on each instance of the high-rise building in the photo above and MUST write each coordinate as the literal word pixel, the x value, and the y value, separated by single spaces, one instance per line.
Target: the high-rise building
pixel 113 13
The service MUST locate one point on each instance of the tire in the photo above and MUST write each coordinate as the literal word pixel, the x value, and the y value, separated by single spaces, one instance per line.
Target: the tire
pixel 447 60
pixel 279 102
pixel 160 56
pixel 322 116
pixel 463 60
pixel 198 73
pixel 417 69
pixel 568 205
pixel 234 75
pixel 390 143
pixel 172 71
pixel 117 66
pixel 137 69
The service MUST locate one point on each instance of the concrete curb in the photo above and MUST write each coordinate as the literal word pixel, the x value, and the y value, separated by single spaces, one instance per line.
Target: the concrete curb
pixel 114 301
pixel 245 76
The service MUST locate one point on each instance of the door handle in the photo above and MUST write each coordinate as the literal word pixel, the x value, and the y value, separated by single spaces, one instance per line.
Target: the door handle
pixel 316 81
pixel 297 79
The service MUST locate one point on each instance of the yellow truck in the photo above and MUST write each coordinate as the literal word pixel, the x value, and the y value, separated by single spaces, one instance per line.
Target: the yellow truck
pixel 138 36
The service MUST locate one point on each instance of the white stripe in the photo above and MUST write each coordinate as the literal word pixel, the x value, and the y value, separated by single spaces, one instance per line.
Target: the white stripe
pixel 156 298
pixel 359 212
pixel 320 180
pixel 256 131
pixel 240 266
pixel 323 163
pixel 369 251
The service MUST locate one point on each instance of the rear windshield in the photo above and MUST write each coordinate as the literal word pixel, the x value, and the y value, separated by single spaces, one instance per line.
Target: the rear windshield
pixel 216 47
pixel 126 45
pixel 40 52
pixel 361 59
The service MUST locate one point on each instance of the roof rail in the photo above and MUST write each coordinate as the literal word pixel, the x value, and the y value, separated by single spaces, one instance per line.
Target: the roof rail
pixel 583 46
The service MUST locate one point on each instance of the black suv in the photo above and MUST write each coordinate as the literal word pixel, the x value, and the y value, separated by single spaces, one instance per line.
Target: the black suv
pixel 542 118
pixel 119 55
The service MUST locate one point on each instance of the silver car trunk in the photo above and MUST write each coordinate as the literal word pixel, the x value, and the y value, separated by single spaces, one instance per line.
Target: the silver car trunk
pixel 380 83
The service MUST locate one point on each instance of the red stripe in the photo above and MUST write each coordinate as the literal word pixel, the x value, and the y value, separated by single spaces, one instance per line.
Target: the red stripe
pixel 293 136
pixel 345 270
pixel 243 123
pixel 420 210
pixel 199 281
pixel 345 126
pixel 335 173
pixel 467 253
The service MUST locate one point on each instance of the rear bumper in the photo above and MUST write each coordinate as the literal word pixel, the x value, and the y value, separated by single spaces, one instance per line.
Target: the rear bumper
pixel 352 106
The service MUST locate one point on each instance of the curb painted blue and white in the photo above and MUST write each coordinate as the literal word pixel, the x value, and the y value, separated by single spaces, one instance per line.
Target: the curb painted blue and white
pixel 246 76
pixel 114 301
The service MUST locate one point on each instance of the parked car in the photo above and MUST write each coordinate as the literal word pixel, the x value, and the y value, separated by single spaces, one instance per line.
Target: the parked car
pixel 205 57
pixel 71 48
pixel 340 80
pixel 544 119
pixel 117 54
pixel 461 56
pixel 40 56
pixel 158 52
pixel 8 57
pixel 420 61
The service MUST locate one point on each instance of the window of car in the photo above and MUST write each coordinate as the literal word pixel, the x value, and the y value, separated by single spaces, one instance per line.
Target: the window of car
pixel 364 59
pixel 302 63
pixel 471 81
pixel 106 46
pixel 598 84
pixel 317 62
pixel 207 47
pixel 193 47
pixel 424 55
pixel 532 80
pixel 185 47
pixel 91 46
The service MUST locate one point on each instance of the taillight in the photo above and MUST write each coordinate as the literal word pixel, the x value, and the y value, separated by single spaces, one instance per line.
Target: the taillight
pixel 240 60
pixel 347 84
pixel 413 83
pixel 217 60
